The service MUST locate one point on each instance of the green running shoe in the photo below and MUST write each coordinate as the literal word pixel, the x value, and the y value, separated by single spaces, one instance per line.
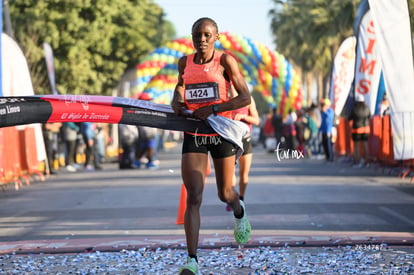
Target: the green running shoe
pixel 191 268
pixel 242 227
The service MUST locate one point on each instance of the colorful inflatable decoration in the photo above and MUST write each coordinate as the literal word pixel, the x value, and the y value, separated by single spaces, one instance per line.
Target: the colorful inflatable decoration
pixel 267 71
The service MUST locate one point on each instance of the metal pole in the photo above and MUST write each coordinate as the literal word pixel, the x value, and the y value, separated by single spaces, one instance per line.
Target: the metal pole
pixel 7 20
pixel 1 66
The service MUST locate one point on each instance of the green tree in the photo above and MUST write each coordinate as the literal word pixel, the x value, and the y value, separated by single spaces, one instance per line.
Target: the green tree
pixel 94 41
pixel 309 33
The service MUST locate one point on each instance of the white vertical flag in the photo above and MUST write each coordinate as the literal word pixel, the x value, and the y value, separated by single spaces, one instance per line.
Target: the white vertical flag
pixel 368 65
pixel 17 81
pixel 50 66
pixel 392 22
pixel 343 73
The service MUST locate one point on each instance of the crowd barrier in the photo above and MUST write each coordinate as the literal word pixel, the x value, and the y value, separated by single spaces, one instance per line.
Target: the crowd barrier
pixel 18 160
pixel 380 146
pixel 30 166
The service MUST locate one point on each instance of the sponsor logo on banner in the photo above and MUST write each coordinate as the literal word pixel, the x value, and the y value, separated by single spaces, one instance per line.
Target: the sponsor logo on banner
pixel 368 65
pixel 4 100
pixel 74 99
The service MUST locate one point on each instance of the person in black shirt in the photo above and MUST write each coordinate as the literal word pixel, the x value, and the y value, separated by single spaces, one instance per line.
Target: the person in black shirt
pixel 277 123
pixel 360 117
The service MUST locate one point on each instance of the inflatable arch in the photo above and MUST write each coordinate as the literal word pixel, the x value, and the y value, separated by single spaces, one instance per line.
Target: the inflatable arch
pixel 267 71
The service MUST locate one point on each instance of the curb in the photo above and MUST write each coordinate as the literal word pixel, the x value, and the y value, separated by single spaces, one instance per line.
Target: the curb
pixel 370 240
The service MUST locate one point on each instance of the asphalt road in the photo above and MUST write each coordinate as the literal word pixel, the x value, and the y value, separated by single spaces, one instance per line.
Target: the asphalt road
pixel 295 200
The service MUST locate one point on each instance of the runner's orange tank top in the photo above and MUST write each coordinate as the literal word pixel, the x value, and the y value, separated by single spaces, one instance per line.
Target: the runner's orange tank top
pixel 205 84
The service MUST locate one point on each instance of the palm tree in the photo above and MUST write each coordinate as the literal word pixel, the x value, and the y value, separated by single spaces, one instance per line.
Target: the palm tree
pixel 310 33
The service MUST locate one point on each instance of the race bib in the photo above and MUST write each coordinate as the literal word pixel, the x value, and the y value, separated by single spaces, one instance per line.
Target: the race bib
pixel 202 92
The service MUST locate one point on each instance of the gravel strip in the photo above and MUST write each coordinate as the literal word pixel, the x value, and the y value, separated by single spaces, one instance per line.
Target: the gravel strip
pixel 378 259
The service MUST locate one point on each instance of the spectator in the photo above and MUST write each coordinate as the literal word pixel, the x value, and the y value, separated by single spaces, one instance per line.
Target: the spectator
pixel 327 121
pixel 384 108
pixel 70 135
pixel 269 134
pixel 289 132
pixel 360 117
pixel 100 142
pixel 300 128
pixel 317 117
pixel 313 140
pixel 277 124
pixel 159 144
pixel 128 137
pixel 147 145
pixel 91 153
pixel 51 135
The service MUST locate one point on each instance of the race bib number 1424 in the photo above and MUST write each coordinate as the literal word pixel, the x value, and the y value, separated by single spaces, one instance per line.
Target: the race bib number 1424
pixel 202 92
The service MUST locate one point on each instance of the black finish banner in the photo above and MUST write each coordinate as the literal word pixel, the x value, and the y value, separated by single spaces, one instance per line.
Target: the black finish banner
pixel 86 108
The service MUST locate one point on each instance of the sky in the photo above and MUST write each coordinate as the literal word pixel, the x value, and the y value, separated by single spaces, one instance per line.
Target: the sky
pixel 248 18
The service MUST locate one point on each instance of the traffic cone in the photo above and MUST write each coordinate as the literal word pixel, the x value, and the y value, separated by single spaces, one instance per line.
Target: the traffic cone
pixel 208 170
pixel 182 205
